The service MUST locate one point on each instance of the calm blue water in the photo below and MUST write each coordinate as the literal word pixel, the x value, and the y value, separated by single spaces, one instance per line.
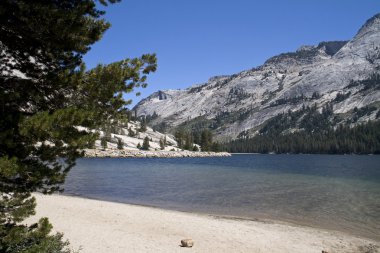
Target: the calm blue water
pixel 334 192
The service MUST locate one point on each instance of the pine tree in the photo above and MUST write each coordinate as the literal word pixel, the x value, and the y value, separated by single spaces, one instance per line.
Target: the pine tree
pixel 196 137
pixel 120 143
pixel 91 144
pixel 179 136
pixel 206 140
pixel 360 139
pixel 131 133
pixel 142 126
pixel 215 147
pixel 188 142
pixel 45 41
pixel 162 143
pixel 138 145
pixel 108 135
pixel 103 143
pixel 146 144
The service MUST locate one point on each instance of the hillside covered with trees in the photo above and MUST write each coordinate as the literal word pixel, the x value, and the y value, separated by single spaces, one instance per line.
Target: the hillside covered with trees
pixel 311 131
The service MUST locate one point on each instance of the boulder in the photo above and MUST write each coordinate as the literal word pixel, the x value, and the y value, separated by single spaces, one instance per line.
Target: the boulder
pixel 187 243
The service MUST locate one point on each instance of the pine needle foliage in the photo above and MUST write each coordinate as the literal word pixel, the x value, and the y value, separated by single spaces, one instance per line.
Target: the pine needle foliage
pixel 46 92
pixel 146 144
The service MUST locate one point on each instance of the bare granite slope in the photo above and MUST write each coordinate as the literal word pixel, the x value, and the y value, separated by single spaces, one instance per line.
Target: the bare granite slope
pixel 311 75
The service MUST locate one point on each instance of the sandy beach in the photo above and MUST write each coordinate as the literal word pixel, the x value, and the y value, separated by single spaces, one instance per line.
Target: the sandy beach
pixel 99 226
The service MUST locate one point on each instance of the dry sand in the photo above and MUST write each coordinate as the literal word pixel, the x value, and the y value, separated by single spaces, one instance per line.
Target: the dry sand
pixel 100 226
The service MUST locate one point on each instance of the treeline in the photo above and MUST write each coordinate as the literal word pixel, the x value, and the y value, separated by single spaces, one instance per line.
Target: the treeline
pixel 187 140
pixel 371 83
pixel 118 127
pixel 307 118
pixel 361 139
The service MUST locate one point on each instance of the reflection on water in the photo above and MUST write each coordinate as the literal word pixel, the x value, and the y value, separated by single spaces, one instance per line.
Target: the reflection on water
pixel 336 192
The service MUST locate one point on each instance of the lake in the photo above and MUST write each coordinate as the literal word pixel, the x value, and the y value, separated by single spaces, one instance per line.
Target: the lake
pixel 339 192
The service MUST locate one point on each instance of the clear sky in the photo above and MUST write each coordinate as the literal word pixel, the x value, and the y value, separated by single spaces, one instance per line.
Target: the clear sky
pixel 197 39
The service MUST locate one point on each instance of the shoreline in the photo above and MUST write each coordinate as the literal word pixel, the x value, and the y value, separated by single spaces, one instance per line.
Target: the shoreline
pixel 259 218
pixel 104 226
pixel 115 153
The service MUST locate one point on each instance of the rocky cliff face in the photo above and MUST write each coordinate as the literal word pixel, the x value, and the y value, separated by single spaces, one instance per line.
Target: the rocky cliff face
pixel 343 74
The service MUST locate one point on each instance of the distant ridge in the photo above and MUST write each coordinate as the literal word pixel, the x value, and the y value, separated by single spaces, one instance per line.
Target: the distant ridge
pixel 341 75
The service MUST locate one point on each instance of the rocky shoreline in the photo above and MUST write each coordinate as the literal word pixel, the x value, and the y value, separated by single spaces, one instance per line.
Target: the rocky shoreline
pixel 144 154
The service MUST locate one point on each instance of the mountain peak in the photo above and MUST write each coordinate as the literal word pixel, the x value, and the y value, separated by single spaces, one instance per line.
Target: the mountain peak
pixel 216 78
pixel 371 24
pixel 305 48
pixel 331 47
pixel 342 75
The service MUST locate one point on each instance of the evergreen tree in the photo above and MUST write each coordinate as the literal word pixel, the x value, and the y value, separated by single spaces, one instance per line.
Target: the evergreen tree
pixel 162 143
pixel 146 145
pixel 107 134
pixel 131 133
pixel 361 139
pixel 120 143
pixel 196 137
pixel 165 141
pixel 45 42
pixel 142 126
pixel 129 115
pixel 184 139
pixel 215 147
pixel 91 144
pixel 179 136
pixel 103 143
pixel 206 140
pixel 188 142
pixel 138 145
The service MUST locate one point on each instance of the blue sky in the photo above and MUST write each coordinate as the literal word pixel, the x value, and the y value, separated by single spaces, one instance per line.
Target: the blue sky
pixel 197 39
